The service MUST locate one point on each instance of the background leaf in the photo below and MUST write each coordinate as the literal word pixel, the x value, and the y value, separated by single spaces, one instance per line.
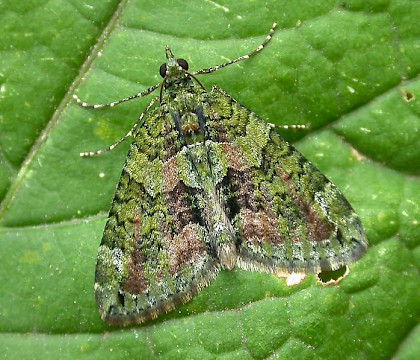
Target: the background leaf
pixel 349 69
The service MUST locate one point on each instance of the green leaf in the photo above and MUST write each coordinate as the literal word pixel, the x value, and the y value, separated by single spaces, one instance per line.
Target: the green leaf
pixel 347 69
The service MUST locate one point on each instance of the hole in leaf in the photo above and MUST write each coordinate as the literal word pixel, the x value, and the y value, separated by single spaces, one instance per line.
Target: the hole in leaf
pixel 408 96
pixel 332 277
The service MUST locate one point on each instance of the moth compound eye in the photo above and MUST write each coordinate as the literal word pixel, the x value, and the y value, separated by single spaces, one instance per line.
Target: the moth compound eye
pixel 162 70
pixel 183 63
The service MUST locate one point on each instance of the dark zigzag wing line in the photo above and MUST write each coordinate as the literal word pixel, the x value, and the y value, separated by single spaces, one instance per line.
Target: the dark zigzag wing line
pixel 153 255
pixel 289 216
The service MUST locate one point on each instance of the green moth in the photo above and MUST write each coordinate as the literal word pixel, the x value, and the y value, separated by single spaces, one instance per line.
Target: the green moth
pixel 208 185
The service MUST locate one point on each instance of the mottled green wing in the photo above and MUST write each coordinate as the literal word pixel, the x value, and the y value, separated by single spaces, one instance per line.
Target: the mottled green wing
pixel 154 254
pixel 288 215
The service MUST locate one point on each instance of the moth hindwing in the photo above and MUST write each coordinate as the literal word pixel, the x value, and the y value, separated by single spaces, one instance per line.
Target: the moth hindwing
pixel 208 185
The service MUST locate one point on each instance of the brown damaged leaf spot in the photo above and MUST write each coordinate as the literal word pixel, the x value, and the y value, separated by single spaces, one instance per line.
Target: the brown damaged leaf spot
pixel 407 96
pixel 185 249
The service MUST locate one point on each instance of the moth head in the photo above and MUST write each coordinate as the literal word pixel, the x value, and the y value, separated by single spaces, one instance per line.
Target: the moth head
pixel 172 65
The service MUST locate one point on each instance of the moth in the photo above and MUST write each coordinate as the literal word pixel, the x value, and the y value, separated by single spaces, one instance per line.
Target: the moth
pixel 208 185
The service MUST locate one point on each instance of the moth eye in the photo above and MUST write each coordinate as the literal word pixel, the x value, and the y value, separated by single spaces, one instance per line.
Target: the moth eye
pixel 162 70
pixel 183 63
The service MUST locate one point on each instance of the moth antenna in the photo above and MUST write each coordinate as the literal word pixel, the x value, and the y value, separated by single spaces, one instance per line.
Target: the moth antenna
pixel 115 103
pixel 288 127
pixel 244 57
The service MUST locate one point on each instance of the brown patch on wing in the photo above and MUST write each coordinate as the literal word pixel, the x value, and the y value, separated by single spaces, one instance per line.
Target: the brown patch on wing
pixel 258 227
pixel 235 160
pixel 181 208
pixel 185 248
pixel 136 282
pixel 318 228
pixel 170 174
pixel 243 189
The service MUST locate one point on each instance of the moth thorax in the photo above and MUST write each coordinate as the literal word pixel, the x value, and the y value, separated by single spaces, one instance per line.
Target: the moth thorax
pixel 190 123
pixel 174 84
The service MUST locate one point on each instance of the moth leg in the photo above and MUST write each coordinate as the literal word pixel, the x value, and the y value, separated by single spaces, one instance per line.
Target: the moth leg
pixel 114 103
pixel 244 57
pixel 130 133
